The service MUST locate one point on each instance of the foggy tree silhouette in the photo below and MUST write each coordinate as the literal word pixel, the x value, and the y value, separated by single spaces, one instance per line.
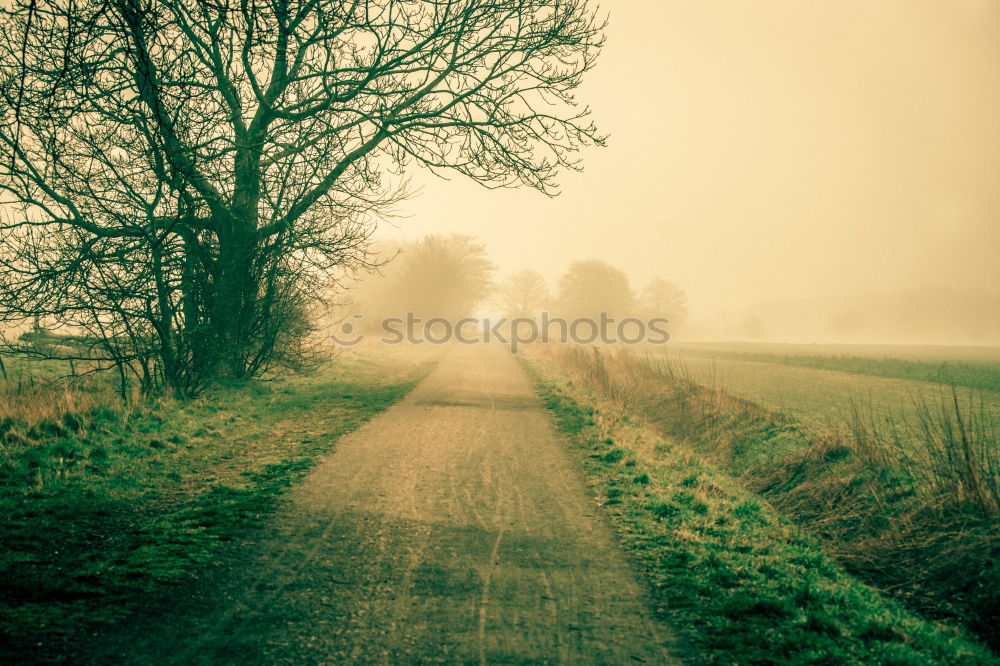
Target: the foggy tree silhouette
pixel 661 298
pixel 436 276
pixel 591 287
pixel 524 294
pixel 185 179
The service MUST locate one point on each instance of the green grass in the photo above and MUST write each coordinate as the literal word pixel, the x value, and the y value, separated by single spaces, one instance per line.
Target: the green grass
pixel 819 398
pixel 739 581
pixel 105 506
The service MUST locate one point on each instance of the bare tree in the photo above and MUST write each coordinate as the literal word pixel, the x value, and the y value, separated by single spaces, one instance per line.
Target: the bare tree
pixel 436 276
pixel 592 287
pixel 188 175
pixel 661 298
pixel 524 294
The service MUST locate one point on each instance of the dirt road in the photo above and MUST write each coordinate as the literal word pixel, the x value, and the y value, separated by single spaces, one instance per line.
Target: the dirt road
pixel 453 528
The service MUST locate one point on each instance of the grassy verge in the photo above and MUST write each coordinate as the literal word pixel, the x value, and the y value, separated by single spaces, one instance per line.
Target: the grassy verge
pixel 103 506
pixel 910 504
pixel 982 375
pixel 740 581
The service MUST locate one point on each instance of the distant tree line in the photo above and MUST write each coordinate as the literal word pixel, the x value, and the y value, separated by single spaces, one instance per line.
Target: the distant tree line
pixel 451 277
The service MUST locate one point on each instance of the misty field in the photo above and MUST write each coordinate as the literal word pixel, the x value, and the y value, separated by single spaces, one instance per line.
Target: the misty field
pixel 823 385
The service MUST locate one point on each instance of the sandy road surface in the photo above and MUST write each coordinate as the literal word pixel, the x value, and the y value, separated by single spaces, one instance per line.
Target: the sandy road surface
pixel 452 528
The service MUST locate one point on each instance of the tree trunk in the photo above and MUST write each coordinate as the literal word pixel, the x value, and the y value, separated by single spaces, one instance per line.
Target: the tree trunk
pixel 237 280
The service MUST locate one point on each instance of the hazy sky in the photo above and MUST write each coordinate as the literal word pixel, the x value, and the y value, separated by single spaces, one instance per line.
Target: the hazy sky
pixel 771 149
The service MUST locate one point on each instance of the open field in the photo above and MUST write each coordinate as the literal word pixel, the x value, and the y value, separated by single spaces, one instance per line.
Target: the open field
pixel 823 390
pixel 928 353
pixel 971 367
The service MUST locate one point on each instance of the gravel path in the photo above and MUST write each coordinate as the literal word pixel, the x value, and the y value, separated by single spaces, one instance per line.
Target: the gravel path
pixel 453 528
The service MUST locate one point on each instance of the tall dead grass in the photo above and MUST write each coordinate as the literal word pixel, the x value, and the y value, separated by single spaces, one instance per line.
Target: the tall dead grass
pixel 955 459
pixel 43 403
pixel 32 407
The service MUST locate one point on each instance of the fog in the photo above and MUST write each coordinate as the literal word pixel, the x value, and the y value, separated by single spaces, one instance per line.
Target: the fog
pixel 804 171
